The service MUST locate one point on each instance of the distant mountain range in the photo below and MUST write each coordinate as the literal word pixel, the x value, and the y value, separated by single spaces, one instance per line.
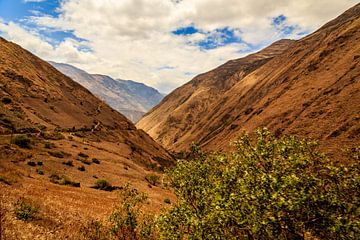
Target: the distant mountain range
pixel 133 99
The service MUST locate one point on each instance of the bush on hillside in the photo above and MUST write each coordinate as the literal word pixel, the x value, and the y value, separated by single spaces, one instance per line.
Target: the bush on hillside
pixel 269 188
pixel 25 209
pixel 22 141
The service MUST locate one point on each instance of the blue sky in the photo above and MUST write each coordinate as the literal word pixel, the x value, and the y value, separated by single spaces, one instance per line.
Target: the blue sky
pixel 161 43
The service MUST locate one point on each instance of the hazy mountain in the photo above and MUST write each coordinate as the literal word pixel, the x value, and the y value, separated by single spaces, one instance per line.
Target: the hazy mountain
pixel 308 88
pixel 131 98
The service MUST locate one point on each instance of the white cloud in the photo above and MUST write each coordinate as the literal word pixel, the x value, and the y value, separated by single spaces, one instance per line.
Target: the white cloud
pixel 131 39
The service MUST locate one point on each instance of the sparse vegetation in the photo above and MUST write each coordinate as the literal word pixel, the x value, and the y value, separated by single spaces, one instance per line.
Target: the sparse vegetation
pixel 81 168
pixel 94 230
pixel 31 163
pixel 6 100
pixel 59 154
pixel 49 145
pixel 63 180
pixel 127 221
pixel 7 180
pixel 102 184
pixel 83 155
pixel 68 163
pixel 22 141
pixel 25 209
pixel 52 135
pixel 95 160
pixel 153 179
pixel 85 161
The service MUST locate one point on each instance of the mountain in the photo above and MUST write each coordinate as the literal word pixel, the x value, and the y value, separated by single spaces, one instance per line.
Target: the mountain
pixel 309 88
pixel 130 98
pixel 56 141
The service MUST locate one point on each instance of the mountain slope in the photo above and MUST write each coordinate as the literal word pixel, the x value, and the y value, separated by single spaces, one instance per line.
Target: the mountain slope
pixel 130 98
pixel 183 111
pixel 312 89
pixel 56 141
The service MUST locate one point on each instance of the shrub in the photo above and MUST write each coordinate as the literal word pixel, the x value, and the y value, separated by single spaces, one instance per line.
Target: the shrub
pixel 125 219
pixel 81 168
pixel 126 222
pixel 268 188
pixel 153 179
pixel 95 160
pixel 85 161
pixel 59 154
pixel 94 230
pixel 167 200
pixel 102 184
pixel 22 141
pixel 63 180
pixel 52 135
pixel 68 163
pixel 49 145
pixel 83 155
pixel 39 171
pixel 39 163
pixel 25 209
pixel 6 100
pixel 32 164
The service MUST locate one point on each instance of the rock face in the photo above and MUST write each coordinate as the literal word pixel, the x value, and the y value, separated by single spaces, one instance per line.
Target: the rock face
pixel 130 98
pixel 308 88
pixel 36 97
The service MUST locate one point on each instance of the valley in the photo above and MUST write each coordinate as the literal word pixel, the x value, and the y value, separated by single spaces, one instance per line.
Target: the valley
pixel 266 146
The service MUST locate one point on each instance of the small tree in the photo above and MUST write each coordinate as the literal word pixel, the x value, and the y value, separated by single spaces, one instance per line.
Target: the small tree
pixel 124 220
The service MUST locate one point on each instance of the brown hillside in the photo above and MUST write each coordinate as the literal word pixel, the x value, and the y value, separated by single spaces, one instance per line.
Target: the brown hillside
pixel 72 135
pixel 311 89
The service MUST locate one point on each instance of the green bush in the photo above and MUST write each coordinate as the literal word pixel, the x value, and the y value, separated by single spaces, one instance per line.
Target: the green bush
pixel 269 188
pixel 127 221
pixel 25 209
pixel 167 201
pixel 153 179
pixel 39 171
pixel 22 141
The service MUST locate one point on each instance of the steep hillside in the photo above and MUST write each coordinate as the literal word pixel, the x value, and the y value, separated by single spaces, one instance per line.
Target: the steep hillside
pixel 130 98
pixel 180 114
pixel 312 89
pixel 55 134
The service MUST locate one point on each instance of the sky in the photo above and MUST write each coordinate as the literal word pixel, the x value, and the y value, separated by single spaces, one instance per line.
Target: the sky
pixel 162 43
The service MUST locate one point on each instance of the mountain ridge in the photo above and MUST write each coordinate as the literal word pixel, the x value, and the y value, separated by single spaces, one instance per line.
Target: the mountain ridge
pixel 131 98
pixel 280 94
